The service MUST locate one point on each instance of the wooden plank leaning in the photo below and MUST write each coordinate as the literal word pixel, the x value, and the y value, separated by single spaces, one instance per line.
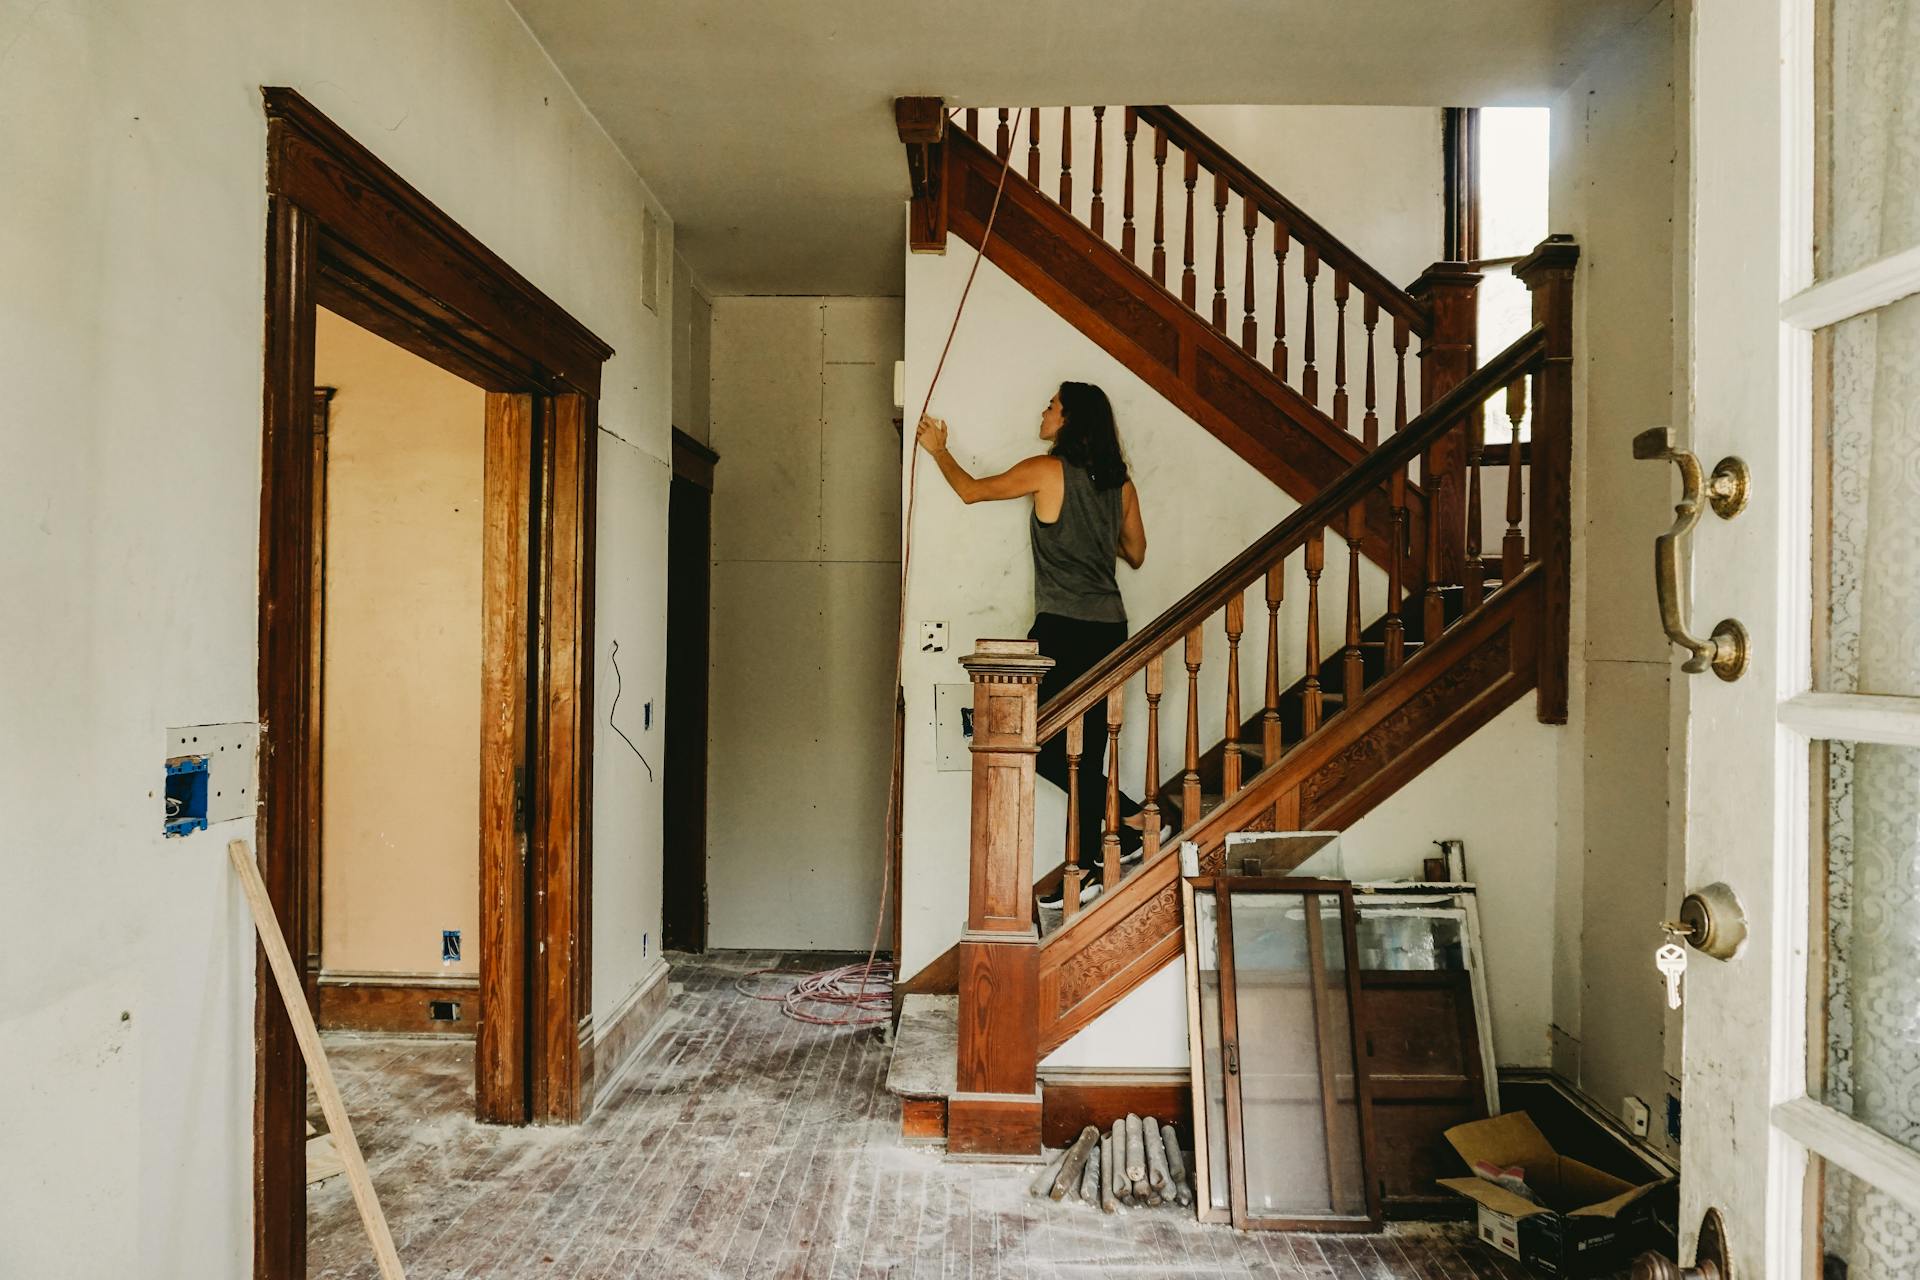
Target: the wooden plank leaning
pixel 287 978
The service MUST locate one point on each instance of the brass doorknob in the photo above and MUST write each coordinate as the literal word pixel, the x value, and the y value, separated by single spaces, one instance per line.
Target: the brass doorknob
pixel 1658 1266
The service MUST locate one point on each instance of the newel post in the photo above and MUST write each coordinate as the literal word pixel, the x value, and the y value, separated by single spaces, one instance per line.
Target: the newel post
pixel 922 124
pixel 1548 273
pixel 1448 354
pixel 995 1108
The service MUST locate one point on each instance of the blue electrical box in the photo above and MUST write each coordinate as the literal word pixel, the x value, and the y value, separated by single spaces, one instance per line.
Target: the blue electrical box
pixel 186 795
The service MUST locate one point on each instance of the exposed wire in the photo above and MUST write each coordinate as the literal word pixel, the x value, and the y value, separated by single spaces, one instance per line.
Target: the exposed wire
pixel 618 687
pixel 864 990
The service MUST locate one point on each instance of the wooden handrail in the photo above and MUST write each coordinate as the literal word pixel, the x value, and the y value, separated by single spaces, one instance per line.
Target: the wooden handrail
pixel 1525 356
pixel 1333 253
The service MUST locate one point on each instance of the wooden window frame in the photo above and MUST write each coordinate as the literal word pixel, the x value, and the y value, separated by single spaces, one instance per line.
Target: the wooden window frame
pixel 346 232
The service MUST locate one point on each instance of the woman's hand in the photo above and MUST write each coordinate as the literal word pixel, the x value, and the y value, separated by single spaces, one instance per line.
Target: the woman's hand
pixel 932 434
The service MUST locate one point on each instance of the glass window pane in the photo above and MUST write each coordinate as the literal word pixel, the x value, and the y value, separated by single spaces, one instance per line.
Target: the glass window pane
pixel 1399 939
pixel 1206 943
pixel 1299 1111
pixel 1864 1234
pixel 1864 999
pixel 1868 133
pixel 1867 403
pixel 1513 180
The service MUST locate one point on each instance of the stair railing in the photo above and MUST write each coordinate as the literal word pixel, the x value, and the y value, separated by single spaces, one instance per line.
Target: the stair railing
pixel 1289 291
pixel 1515 501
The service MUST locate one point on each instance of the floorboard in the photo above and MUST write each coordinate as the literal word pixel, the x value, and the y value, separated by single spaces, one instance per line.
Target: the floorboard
pixel 741 1143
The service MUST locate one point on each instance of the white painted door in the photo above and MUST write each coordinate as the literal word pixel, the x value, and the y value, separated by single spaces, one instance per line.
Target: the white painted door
pixel 1802 1056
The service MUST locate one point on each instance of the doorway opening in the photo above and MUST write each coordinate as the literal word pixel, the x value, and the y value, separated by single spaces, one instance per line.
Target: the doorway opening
pixel 683 850
pixel 347 234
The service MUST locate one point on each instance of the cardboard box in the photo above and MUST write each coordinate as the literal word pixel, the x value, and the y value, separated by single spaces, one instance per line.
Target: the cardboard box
pixel 1589 1222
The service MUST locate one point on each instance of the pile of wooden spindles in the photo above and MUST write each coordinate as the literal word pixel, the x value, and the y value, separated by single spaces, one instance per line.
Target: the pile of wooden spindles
pixel 1139 1164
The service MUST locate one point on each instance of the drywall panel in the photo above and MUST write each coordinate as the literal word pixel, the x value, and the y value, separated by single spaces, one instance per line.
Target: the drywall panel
pixel 401 754
pixel 767 396
pixel 860 520
pixel 801 728
pixel 131 241
pixel 1146 1029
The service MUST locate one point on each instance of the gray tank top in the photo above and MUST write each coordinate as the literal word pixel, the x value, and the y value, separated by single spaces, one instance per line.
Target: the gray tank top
pixel 1073 557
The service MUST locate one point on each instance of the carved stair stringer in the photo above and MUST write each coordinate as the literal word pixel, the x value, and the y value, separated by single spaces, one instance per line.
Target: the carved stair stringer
pixel 1439 698
pixel 1093 287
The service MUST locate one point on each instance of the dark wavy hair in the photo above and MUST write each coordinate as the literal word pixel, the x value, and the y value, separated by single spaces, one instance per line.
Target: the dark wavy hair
pixel 1087 436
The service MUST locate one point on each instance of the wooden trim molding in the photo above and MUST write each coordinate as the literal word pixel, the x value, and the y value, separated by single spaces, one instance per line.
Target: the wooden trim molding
pixel 1070 1101
pixel 693 461
pixel 399 1004
pixel 628 1028
pixel 344 231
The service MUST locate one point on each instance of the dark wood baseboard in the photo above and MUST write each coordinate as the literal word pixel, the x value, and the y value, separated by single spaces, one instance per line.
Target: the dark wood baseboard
pixel 1071 1102
pixel 923 1120
pixel 400 1004
pixel 993 1124
pixel 627 1028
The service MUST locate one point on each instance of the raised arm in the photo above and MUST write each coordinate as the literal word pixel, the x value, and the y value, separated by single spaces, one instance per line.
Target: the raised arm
pixel 1133 532
pixel 1021 480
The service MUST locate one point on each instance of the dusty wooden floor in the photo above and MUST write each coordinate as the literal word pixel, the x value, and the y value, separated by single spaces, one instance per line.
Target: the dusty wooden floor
pixel 744 1144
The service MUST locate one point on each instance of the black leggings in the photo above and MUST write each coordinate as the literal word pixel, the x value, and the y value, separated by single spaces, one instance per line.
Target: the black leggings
pixel 1076 647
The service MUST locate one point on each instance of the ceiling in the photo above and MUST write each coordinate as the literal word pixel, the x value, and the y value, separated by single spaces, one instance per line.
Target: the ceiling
pixel 766 126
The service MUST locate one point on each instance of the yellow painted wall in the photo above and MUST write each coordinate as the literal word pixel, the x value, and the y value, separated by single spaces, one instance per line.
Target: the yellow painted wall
pixel 401 798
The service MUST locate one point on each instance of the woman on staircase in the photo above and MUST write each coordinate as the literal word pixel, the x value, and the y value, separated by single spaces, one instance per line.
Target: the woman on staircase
pixel 1086 516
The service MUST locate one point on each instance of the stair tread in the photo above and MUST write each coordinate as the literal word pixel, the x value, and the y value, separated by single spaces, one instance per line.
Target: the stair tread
pixel 926 1047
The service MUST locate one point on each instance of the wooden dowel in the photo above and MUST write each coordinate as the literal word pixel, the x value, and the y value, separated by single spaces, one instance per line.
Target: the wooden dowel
pixel 1177 1165
pixel 1370 422
pixel 1000 137
pixel 1150 806
pixel 1071 878
pixel 1270 729
pixel 1354 669
pixel 1340 349
pixel 1116 1142
pixel 1097 212
pixel 1230 752
pixel 1089 1190
pixel 293 996
pixel 1033 146
pixel 1310 689
pixel 1157 1175
pixel 1309 374
pixel 1043 1181
pixel 1159 204
pixel 1513 547
pixel 1136 1151
pixel 1076 1160
pixel 1220 252
pixel 1109 1200
pixel 1399 374
pixel 1187 280
pixel 1110 837
pixel 1130 125
pixel 1249 324
pixel 1280 300
pixel 1066 158
pixel 1190 779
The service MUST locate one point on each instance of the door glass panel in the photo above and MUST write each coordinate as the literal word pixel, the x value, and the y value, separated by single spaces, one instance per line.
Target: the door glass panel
pixel 1867 174
pixel 1865 1234
pixel 1864 998
pixel 1300 1121
pixel 1206 942
pixel 1867 429
pixel 1427 941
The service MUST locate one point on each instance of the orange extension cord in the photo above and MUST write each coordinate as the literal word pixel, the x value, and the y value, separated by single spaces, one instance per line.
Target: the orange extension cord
pixel 865 991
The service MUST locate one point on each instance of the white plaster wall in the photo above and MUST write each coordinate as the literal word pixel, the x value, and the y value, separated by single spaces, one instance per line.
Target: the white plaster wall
pixel 806 520
pixel 692 352
pixel 131 246
pixel 1619 177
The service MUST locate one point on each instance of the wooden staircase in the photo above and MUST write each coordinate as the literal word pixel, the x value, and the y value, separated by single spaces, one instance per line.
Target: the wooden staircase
pixel 1353 697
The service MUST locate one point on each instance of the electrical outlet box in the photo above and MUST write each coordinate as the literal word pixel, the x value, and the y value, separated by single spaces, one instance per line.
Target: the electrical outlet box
pixel 1636 1115
pixel 1673 1118
pixel 443 1010
pixel 646 714
pixel 449 946
pixel 211 775
pixel 933 637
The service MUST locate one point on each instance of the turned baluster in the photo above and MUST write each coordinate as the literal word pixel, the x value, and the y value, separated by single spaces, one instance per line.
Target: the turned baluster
pixel 1110 837
pixel 1340 349
pixel 1220 252
pixel 1310 688
pixel 1280 300
pixel 1370 420
pixel 1190 780
pixel 1230 755
pixel 1309 376
pixel 1098 210
pixel 1353 674
pixel 1033 146
pixel 1150 807
pixel 973 122
pixel 1066 158
pixel 1187 279
pixel 1396 568
pixel 1476 447
pixel 1399 374
pixel 1435 618
pixel 1270 734
pixel 1000 137
pixel 1249 326
pixel 1513 548
pixel 1159 205
pixel 1129 126
pixel 1072 878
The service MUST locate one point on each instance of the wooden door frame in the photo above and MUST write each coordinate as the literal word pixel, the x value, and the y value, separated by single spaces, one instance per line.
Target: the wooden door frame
pixel 347 232
pixel 693 465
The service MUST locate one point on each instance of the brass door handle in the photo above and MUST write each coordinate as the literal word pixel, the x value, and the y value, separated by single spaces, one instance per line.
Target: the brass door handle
pixel 1725 651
